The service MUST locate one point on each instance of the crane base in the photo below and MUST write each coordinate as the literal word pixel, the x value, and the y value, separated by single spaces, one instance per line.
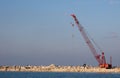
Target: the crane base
pixel 107 66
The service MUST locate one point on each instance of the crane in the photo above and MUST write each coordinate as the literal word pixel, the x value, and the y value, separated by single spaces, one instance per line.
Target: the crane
pixel 100 58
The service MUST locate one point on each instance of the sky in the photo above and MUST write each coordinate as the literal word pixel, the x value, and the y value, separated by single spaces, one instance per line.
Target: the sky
pixel 39 32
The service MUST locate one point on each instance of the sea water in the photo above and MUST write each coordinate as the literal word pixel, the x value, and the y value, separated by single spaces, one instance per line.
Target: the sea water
pixel 57 75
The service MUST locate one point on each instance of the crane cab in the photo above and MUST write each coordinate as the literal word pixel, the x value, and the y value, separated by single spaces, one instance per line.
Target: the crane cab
pixel 107 66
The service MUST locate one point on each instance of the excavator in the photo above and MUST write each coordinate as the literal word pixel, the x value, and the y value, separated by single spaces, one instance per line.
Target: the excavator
pixel 100 58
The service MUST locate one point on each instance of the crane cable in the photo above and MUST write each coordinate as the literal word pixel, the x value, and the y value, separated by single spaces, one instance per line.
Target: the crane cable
pixel 94 41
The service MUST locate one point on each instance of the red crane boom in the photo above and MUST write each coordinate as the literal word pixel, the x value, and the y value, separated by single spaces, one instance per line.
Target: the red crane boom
pixel 100 59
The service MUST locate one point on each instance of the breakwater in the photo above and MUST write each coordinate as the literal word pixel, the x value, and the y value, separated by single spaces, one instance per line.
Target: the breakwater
pixel 56 68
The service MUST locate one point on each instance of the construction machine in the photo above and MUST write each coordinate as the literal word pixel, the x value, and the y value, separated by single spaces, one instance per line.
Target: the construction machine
pixel 100 58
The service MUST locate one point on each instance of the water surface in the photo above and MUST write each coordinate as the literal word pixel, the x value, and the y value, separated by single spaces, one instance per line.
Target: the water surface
pixel 57 75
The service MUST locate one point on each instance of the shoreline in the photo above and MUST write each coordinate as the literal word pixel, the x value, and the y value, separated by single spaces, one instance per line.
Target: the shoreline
pixel 55 68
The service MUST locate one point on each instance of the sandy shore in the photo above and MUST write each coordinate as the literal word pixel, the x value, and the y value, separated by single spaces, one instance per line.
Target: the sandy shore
pixel 54 68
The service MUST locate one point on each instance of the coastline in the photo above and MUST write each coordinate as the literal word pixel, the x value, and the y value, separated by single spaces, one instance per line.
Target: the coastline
pixel 55 68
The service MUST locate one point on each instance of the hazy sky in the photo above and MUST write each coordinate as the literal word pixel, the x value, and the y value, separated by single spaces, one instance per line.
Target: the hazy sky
pixel 39 32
